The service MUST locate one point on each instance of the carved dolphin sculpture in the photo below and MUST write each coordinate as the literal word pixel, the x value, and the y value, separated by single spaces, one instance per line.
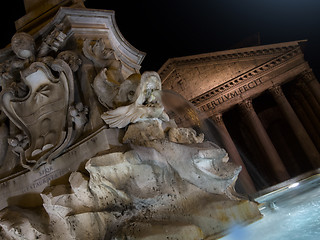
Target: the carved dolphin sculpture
pixel 203 165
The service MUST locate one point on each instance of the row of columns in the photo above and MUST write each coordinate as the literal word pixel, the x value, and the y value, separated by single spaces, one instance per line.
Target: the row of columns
pixel 269 149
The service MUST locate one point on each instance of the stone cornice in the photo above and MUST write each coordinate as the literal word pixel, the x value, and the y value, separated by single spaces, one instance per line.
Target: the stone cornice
pixel 242 53
pixel 95 23
pixel 82 20
pixel 254 73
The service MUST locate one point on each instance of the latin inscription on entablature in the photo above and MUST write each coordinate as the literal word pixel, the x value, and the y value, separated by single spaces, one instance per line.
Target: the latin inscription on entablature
pixel 224 97
pixel 229 90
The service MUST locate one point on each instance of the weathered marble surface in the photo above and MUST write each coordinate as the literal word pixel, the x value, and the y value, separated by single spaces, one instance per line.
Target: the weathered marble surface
pixel 146 104
pixel 150 189
pixel 103 160
pixel 48 100
pixel 18 187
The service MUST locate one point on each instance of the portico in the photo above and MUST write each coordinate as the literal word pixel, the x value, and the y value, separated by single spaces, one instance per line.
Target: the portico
pixel 226 86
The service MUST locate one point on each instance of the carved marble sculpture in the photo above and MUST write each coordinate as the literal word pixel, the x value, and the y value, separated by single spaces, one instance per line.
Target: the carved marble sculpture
pixel 148 188
pixel 38 103
pixel 76 110
pixel 146 104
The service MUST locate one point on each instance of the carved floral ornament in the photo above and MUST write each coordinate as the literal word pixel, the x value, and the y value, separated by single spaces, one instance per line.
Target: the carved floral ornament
pixel 38 97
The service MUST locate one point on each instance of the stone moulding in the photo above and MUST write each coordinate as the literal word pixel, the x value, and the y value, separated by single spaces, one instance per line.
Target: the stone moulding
pixel 90 22
pixel 242 53
pixel 285 59
pixel 254 73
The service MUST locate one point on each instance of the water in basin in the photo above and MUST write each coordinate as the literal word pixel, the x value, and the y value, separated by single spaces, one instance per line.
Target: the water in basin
pixel 292 212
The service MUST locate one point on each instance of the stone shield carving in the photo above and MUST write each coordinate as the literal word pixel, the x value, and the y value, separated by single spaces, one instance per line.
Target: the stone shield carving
pixel 43 113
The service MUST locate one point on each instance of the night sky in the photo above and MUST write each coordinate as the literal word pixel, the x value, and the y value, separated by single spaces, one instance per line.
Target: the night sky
pixel 174 28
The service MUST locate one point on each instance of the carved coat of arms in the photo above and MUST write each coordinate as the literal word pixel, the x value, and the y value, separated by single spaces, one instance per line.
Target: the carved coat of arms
pixel 43 113
pixel 38 98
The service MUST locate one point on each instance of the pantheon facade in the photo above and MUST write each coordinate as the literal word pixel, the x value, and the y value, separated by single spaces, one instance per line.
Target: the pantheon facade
pixel 265 102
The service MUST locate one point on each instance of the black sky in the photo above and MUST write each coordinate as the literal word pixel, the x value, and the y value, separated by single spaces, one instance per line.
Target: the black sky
pixel 174 28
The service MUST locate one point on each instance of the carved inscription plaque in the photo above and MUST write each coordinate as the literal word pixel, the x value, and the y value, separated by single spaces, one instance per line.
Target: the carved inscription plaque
pixel 36 181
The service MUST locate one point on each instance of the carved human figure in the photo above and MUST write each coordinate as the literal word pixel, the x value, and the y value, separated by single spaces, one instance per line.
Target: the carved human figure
pixel 146 104
pixel 99 53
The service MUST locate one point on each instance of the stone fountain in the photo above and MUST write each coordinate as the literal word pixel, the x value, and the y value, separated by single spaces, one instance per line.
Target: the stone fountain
pixel 88 150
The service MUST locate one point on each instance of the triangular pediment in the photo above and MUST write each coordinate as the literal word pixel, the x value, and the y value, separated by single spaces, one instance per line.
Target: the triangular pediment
pixel 208 71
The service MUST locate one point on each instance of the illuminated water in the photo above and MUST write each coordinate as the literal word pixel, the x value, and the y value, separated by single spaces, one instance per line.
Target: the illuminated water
pixel 291 213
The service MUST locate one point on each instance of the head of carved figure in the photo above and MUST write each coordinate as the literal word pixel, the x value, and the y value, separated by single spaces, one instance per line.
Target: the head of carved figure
pixel 149 89
pixel 23 45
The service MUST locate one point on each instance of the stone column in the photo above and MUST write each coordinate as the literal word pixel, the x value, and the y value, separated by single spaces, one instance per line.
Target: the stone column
pixel 231 148
pixel 311 80
pixel 308 109
pixel 297 127
pixel 262 136
pixel 305 120
pixel 309 97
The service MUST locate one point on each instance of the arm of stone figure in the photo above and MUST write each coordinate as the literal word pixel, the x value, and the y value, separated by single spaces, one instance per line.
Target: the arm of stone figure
pixel 122 116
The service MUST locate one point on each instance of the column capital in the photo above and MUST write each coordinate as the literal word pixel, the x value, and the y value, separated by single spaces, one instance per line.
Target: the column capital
pixel 307 75
pixel 217 118
pixel 246 105
pixel 276 91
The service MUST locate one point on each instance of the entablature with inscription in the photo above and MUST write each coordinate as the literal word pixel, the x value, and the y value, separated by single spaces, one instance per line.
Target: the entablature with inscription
pixel 284 62
pixel 228 55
